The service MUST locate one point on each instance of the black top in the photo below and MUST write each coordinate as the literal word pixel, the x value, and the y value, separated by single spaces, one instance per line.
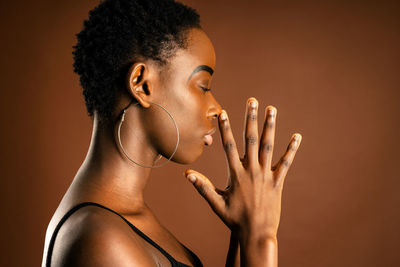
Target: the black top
pixel 174 263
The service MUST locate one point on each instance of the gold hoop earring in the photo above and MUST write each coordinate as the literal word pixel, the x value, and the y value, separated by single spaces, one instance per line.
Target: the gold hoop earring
pixel 126 154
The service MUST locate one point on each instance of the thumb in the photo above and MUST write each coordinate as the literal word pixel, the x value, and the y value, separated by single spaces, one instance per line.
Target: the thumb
pixel 207 190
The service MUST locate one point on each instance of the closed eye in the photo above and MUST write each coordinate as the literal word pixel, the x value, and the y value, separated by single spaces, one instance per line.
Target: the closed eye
pixel 205 89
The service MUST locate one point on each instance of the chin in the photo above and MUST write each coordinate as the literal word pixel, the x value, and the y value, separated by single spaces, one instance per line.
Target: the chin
pixel 188 156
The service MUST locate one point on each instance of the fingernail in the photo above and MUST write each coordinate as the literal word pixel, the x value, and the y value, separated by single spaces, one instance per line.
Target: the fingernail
pixel 296 137
pixel 223 116
pixel 191 178
pixel 271 111
pixel 253 104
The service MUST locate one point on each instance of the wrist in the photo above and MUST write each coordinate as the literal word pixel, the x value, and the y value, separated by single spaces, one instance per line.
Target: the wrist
pixel 258 250
pixel 259 241
pixel 254 236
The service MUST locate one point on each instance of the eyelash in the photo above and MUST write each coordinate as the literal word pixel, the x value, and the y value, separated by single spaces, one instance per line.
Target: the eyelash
pixel 205 89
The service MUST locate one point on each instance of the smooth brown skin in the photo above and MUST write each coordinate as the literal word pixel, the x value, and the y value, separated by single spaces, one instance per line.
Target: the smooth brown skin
pixel 250 207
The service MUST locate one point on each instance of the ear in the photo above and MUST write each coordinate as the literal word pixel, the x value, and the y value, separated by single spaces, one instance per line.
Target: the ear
pixel 138 83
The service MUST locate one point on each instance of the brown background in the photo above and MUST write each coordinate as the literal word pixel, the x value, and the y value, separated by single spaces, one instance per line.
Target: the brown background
pixel 330 67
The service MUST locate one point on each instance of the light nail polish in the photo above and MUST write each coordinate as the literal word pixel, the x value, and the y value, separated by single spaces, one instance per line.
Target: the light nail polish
pixel 191 178
pixel 223 116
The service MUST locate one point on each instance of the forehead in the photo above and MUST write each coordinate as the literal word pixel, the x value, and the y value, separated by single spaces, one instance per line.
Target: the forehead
pixel 200 51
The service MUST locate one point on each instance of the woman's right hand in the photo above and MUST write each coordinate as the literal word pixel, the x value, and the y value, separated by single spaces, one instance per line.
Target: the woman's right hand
pixel 251 203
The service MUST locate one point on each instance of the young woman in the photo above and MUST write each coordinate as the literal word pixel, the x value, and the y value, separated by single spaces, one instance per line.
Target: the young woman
pixel 145 67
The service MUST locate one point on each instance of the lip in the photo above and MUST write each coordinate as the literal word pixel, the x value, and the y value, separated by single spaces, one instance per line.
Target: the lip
pixel 211 132
pixel 208 140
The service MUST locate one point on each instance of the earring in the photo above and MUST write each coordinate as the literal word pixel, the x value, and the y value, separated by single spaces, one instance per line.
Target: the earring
pixel 123 150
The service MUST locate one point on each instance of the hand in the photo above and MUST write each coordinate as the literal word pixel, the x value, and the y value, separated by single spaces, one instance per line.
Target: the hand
pixel 250 205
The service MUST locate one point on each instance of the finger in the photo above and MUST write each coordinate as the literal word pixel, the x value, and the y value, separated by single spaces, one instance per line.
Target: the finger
pixel 268 137
pixel 207 190
pixel 251 132
pixel 287 159
pixel 228 141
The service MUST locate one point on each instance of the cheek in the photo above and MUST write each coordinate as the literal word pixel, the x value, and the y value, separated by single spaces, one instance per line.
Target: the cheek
pixel 190 118
pixel 188 108
pixel 186 105
pixel 193 131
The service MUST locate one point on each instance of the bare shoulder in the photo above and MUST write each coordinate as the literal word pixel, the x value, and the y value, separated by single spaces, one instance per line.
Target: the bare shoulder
pixel 93 236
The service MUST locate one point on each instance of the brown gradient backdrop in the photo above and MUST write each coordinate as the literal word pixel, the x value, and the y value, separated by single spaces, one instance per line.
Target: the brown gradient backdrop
pixel 330 67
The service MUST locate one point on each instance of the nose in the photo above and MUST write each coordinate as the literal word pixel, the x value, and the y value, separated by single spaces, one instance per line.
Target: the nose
pixel 214 108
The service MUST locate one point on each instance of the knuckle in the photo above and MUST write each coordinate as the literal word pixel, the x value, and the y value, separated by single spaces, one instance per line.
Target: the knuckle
pixel 202 189
pixel 252 117
pixel 285 163
pixel 251 139
pixel 267 147
pixel 291 147
pixel 255 171
pixel 237 174
pixel 229 146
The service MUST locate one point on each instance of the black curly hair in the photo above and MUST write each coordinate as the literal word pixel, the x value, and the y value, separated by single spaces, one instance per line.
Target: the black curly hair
pixel 119 32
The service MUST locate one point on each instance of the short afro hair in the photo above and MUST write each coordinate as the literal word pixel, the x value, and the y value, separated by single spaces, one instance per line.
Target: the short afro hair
pixel 119 32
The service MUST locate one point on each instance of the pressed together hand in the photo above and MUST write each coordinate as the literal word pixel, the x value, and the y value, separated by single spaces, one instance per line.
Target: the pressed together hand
pixel 251 203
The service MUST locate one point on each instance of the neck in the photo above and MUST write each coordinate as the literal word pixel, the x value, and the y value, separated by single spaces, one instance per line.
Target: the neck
pixel 107 175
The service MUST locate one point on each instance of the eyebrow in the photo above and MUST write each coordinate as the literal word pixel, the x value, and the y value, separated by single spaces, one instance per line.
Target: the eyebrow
pixel 200 68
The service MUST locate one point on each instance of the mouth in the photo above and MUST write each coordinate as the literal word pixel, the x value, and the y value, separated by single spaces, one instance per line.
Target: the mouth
pixel 208 137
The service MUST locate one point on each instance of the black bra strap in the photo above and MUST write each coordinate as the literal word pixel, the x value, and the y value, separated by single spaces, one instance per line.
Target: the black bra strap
pixel 81 205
